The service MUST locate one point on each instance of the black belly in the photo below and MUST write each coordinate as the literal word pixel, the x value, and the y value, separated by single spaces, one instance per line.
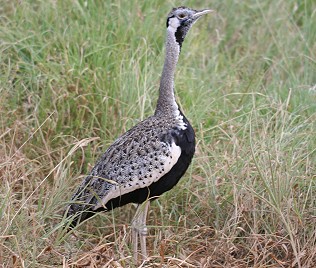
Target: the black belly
pixel 186 140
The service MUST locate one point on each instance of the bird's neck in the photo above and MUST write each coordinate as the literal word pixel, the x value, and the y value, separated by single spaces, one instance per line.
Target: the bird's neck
pixel 166 102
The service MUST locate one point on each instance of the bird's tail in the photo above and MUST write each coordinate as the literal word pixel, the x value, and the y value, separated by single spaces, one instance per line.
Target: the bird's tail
pixel 75 214
pixel 80 207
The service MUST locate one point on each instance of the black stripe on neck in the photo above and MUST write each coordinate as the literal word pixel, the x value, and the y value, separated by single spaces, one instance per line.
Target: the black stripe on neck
pixel 179 36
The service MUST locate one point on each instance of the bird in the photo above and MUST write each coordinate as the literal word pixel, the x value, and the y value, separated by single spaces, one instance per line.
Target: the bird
pixel 150 158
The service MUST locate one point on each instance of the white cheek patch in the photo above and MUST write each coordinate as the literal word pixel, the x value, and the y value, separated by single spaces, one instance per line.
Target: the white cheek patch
pixel 155 175
pixel 173 24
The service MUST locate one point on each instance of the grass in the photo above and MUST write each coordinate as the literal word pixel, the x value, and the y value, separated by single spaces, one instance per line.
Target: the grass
pixel 74 75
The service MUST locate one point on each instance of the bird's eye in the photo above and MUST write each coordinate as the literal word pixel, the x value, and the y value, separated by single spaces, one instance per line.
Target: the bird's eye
pixel 181 16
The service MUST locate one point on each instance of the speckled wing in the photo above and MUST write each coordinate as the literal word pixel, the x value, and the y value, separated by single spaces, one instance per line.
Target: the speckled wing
pixel 135 160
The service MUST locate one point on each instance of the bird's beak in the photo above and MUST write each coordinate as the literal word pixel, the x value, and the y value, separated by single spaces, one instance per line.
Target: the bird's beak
pixel 200 13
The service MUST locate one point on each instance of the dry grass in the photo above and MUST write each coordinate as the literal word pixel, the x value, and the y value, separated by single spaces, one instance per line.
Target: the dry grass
pixel 76 74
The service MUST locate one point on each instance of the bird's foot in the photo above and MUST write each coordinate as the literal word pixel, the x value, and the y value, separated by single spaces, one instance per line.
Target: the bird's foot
pixel 139 231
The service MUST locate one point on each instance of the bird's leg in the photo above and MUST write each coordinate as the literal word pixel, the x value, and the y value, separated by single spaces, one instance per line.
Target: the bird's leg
pixel 134 239
pixel 139 229
pixel 143 232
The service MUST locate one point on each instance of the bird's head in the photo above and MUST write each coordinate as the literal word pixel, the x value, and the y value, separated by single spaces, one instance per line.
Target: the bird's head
pixel 181 19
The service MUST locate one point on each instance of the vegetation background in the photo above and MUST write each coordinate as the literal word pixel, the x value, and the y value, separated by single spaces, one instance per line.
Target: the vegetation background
pixel 76 74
